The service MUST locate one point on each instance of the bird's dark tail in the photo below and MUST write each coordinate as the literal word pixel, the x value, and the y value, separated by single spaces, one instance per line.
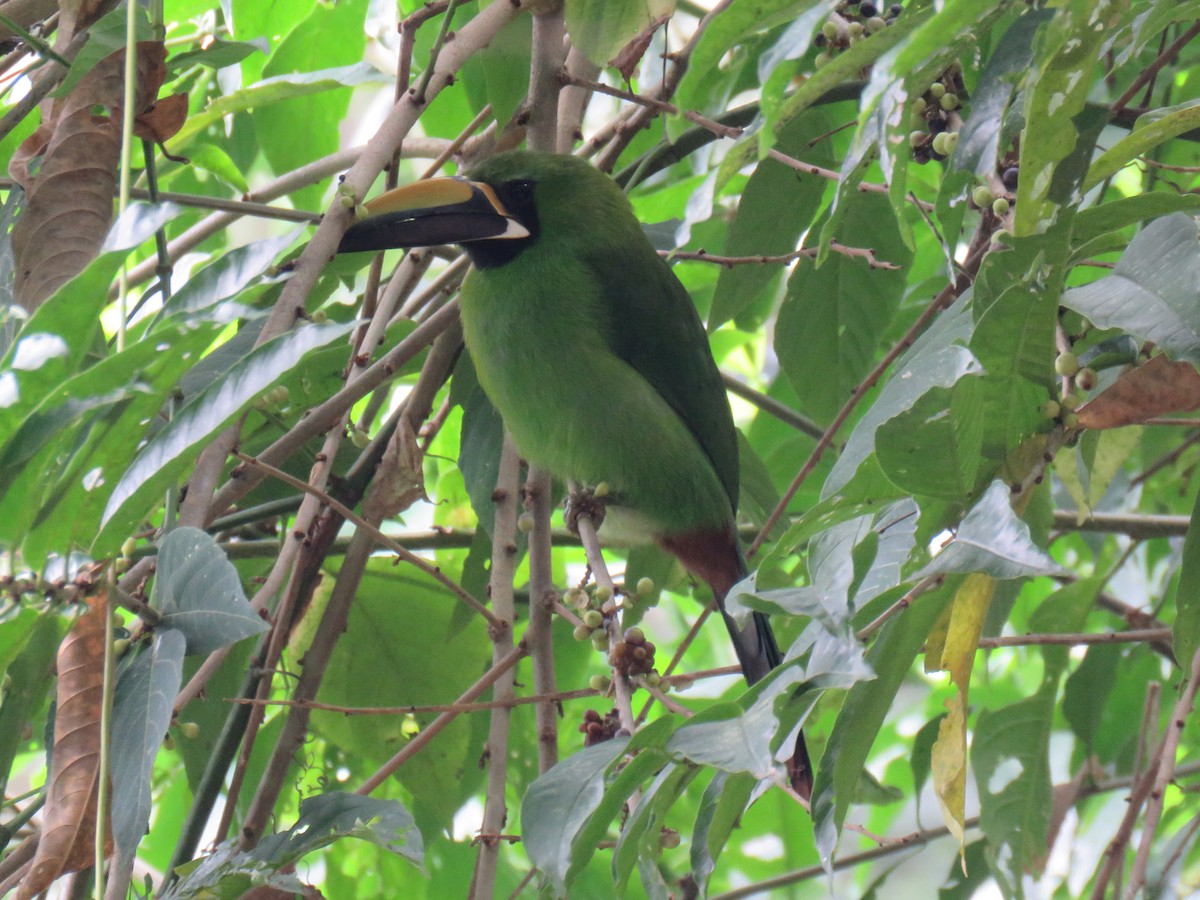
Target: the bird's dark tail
pixel 716 557
pixel 758 653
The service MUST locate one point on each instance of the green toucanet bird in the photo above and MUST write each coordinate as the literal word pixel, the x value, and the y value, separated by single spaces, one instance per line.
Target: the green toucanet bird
pixel 593 353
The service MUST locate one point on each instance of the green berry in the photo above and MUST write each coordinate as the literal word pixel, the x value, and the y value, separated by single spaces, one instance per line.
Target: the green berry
pixel 120 647
pixel 1071 402
pixel 876 24
pixel 830 30
pixel 603 593
pixel 600 641
pixel 948 102
pixel 634 635
pixel 937 90
pixel 1067 364
pixel 646 587
pixel 581 633
pixel 599 683
pixel 1071 420
pixel 855 29
pixel 822 59
pixel 982 196
pixel 359 438
pixel 942 143
pixel 525 522
pixel 919 106
pixel 1051 409
pixel 319 316
pixel 189 730
pixel 577 598
pixel 128 547
pixel 1086 378
pixel 593 618
pixel 917 138
pixel 600 490
pixel 1000 207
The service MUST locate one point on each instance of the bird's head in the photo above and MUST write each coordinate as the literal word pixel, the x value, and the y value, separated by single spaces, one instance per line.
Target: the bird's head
pixel 503 207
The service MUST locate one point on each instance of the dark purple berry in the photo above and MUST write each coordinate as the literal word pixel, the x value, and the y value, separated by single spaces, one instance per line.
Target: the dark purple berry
pixel 895 9
pixel 819 40
pixel 867 9
pixel 1010 177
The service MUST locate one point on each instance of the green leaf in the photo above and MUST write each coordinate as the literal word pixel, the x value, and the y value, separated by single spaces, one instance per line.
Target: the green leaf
pixel 174 448
pixel 1151 292
pixel 56 339
pixel 777 204
pixel 559 804
pixel 1150 130
pixel 933 449
pixel 217 55
pixel 862 714
pixel 638 842
pixel 389 658
pixel 1100 221
pixel 198 591
pixel 27 680
pixel 992 540
pixel 979 138
pixel 834 315
pixel 229 872
pixel 1066 54
pixel 141 714
pixel 940 367
pixel 721 806
pixel 212 158
pixel 1010 754
pixel 228 276
pixel 273 90
pixel 600 28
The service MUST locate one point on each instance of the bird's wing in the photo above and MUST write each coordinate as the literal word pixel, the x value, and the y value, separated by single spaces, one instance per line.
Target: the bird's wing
pixel 656 329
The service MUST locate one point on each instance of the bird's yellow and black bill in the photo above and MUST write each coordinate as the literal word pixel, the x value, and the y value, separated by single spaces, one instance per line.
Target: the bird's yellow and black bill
pixel 427 213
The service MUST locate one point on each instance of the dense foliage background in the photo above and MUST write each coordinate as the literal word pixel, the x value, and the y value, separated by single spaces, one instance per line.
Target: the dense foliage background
pixel 948 258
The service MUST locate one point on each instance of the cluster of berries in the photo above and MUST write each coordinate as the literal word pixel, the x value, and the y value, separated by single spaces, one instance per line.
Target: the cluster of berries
pixel 850 23
pixel 634 655
pixel 935 117
pixel 597 729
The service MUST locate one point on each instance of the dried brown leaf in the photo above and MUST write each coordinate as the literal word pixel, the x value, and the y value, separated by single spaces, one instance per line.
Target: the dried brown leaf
pixel 69 817
pixel 400 479
pixel 68 169
pixel 1158 387
pixel 626 62
pixel 163 119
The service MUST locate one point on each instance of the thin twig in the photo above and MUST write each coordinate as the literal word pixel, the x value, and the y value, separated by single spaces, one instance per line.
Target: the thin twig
pixel 1150 71
pixel 428 733
pixel 378 536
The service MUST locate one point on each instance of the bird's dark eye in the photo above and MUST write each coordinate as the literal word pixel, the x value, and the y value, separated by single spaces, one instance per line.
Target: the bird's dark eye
pixel 520 191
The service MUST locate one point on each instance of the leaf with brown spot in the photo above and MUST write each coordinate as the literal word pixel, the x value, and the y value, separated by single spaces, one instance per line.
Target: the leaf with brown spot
pixel 68 169
pixel 69 817
pixel 1158 387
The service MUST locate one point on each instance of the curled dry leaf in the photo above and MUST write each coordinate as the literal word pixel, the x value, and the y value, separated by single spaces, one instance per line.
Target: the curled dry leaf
pixel 400 479
pixel 162 120
pixel 68 168
pixel 626 62
pixel 69 817
pixel 1154 389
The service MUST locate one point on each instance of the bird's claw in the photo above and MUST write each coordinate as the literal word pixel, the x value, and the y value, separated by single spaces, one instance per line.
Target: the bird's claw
pixel 588 501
